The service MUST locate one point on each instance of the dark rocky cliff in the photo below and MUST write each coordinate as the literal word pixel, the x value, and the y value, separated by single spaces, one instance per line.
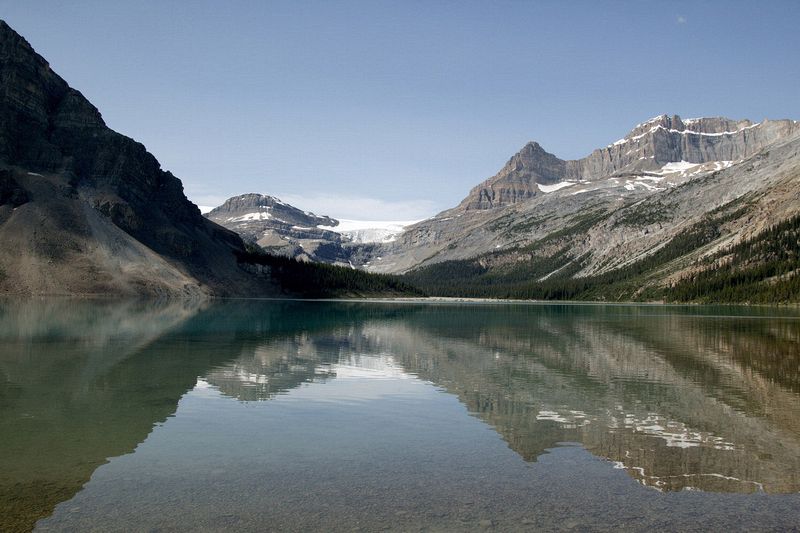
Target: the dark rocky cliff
pixel 61 160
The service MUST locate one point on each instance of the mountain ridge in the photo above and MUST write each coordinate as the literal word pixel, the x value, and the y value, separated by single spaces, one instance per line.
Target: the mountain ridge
pixel 282 229
pixel 647 147
pixel 622 242
pixel 664 215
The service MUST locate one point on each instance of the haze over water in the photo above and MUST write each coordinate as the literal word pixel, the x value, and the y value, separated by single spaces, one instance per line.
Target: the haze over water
pixel 279 415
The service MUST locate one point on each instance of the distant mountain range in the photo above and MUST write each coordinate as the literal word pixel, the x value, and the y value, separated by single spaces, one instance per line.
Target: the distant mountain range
pixel 696 209
pixel 703 209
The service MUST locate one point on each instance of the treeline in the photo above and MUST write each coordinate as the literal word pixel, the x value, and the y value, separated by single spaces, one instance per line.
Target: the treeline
pixel 521 279
pixel 763 269
pixel 319 280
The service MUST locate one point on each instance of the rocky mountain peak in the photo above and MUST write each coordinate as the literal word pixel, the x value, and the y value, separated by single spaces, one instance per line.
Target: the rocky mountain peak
pixel 647 148
pixel 255 209
pixel 247 201
pixel 664 124
pixel 661 121
pixel 518 179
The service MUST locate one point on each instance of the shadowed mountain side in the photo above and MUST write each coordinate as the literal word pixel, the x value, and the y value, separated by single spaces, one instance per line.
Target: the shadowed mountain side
pixel 88 210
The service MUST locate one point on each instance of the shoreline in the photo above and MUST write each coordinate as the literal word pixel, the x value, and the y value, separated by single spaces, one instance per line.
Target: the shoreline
pixel 388 300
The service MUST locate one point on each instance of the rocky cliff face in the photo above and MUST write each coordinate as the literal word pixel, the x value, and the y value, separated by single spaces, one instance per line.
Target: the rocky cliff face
pixel 648 147
pixel 517 180
pixel 282 229
pixel 78 197
pixel 665 139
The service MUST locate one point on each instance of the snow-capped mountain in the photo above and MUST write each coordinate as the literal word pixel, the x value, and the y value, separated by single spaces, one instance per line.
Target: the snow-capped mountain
pixel 282 228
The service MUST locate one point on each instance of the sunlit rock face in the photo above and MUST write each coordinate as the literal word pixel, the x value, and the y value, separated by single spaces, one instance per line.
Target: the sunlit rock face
pixel 648 147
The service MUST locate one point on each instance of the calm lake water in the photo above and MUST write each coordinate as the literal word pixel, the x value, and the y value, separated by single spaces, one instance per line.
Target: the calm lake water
pixel 279 415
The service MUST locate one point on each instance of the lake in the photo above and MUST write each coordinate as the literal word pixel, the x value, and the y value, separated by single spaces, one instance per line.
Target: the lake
pixel 289 415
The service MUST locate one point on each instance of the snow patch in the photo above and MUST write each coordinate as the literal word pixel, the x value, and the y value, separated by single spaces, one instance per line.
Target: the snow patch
pixel 654 119
pixel 555 186
pixel 364 231
pixel 675 434
pixel 678 166
pixel 568 420
pixel 262 215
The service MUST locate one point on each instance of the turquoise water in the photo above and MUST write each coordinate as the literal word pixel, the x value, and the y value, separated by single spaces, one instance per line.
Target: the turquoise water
pixel 279 415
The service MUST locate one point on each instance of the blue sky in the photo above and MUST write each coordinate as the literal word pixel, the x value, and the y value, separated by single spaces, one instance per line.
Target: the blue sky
pixel 394 110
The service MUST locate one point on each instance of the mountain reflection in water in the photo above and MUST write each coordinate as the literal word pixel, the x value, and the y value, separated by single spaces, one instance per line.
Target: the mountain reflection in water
pixel 678 401
pixel 680 398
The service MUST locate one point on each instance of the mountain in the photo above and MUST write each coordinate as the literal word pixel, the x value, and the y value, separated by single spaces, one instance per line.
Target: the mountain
pixel 642 218
pixel 647 147
pixel 89 211
pixel 282 229
pixel 696 209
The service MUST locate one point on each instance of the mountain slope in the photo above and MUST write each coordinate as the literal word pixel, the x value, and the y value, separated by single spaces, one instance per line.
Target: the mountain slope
pixel 87 210
pixel 661 242
pixel 537 195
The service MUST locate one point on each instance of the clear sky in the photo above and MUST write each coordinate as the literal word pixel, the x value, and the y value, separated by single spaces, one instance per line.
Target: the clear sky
pixel 394 110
